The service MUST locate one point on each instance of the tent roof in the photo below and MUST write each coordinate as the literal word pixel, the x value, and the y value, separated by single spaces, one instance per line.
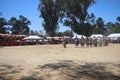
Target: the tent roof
pixel 96 35
pixel 114 35
pixel 79 36
pixel 58 37
pixel 32 37
pixel 12 36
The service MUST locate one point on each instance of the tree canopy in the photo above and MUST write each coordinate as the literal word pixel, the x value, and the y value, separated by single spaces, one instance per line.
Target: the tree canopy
pixel 14 25
pixel 114 27
pixel 49 11
pixel 73 12
pixel 65 33
pixel 70 13
pixel 19 26
pixel 2 25
pixel 76 14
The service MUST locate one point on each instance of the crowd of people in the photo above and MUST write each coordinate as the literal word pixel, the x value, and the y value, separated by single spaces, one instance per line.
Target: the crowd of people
pixel 89 41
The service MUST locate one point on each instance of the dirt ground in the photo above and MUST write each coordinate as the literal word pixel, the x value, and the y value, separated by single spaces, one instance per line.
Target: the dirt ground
pixel 53 62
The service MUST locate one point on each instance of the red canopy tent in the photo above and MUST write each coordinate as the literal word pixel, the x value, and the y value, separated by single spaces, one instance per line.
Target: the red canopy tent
pixel 10 39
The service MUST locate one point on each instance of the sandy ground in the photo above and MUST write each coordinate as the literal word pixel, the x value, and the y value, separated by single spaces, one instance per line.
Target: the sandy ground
pixel 53 62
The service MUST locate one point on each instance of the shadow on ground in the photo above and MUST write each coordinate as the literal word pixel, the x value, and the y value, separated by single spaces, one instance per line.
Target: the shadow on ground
pixel 68 70
pixel 64 70
pixel 8 72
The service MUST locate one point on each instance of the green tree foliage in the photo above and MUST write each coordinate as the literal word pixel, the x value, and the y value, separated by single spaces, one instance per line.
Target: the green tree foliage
pixel 113 27
pixel 24 25
pixel 89 25
pixel 116 27
pixel 60 34
pixel 100 26
pixel 118 19
pixel 2 25
pixel 73 11
pixel 65 33
pixel 19 26
pixel 15 25
pixel 38 33
pixel 49 11
pixel 109 26
pixel 68 33
pixel 31 32
pixel 76 14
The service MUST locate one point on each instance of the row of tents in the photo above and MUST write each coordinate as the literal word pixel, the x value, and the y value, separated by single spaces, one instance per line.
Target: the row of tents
pixel 112 37
pixel 24 37
pixel 18 38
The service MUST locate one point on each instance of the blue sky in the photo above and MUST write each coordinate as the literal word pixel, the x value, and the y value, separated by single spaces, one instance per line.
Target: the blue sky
pixel 109 10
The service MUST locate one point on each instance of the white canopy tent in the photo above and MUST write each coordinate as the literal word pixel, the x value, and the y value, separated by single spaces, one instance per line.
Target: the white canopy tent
pixel 114 36
pixel 32 37
pixel 78 36
pixel 96 35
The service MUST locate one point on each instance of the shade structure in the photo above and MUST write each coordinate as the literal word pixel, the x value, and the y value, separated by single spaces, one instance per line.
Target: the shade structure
pixel 78 36
pixel 11 36
pixel 96 35
pixel 31 37
pixel 114 36
pixel 58 37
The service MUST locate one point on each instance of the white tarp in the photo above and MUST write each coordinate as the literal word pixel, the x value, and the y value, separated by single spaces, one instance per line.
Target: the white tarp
pixel 78 36
pixel 32 37
pixel 96 35
pixel 114 36
pixel 58 37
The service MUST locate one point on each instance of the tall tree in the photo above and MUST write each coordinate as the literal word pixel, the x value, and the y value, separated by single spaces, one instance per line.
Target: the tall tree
pixel 116 27
pixel 68 33
pixel 49 11
pixel 100 26
pixel 24 29
pixel 60 34
pixel 118 19
pixel 76 14
pixel 15 29
pixel 20 26
pixel 89 25
pixel 109 26
pixel 2 25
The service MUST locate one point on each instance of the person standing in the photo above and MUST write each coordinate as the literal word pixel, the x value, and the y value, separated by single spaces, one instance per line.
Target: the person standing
pixel 99 41
pixel 94 41
pixel 90 41
pixel 87 41
pixel 64 42
pixel 76 42
pixel 82 41
pixel 105 41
